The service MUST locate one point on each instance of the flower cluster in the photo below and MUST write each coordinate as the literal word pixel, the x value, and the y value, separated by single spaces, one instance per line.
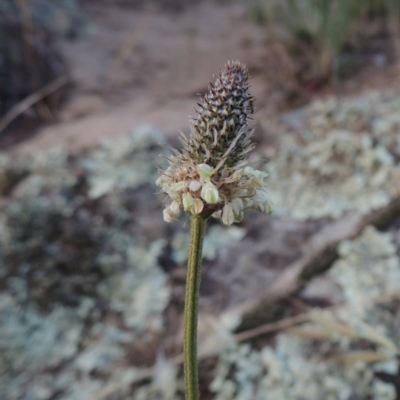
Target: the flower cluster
pixel 209 176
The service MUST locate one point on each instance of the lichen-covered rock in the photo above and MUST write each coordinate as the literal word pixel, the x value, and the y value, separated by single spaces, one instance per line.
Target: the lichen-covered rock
pixel 217 237
pixel 81 278
pixel 339 173
pixel 82 266
pixel 375 112
pixel 344 158
pixel 339 354
pixel 237 374
pixel 123 164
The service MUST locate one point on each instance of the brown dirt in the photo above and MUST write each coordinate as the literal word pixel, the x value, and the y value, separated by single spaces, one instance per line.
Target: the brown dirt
pixel 147 65
pixel 136 66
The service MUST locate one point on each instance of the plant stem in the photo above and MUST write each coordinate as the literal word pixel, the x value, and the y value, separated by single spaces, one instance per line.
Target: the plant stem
pixel 198 226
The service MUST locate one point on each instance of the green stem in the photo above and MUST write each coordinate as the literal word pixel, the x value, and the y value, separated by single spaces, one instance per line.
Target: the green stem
pixel 197 232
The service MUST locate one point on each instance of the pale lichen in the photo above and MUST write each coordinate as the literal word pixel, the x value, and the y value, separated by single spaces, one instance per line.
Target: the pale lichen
pixel 375 112
pixel 339 353
pixel 82 281
pixel 332 175
pixel 216 239
pixel 342 158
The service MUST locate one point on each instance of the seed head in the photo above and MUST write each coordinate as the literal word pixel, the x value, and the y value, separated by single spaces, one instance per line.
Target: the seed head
pixel 209 176
pixel 223 120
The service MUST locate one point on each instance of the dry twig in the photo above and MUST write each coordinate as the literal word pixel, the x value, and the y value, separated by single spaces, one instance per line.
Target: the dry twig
pixel 29 101
pixel 321 252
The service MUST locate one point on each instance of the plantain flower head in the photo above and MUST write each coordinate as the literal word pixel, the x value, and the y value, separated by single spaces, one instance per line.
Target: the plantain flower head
pixel 209 176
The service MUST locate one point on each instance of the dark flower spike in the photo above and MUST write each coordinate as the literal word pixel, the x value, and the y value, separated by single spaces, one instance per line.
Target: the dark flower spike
pixel 209 175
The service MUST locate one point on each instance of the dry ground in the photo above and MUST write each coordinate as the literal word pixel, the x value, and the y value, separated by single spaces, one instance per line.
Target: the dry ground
pixel 133 65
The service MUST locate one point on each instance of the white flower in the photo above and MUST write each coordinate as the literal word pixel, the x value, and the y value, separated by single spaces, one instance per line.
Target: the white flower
pixel 160 181
pixel 205 171
pixel 170 213
pixel 178 186
pixel 217 214
pixel 268 207
pixel 238 173
pixel 256 177
pixel 175 207
pixel 187 201
pixel 197 206
pixel 261 202
pixel 228 218
pixel 170 191
pixel 237 206
pixel 194 186
pixel 209 193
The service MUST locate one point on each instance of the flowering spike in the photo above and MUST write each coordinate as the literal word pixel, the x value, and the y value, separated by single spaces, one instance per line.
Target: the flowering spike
pixel 209 176
pixel 224 110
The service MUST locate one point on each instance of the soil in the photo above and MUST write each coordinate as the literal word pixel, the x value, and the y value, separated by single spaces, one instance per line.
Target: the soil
pixel 141 64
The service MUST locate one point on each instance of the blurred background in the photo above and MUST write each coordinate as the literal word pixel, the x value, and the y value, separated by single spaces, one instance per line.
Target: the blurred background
pixel 303 304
